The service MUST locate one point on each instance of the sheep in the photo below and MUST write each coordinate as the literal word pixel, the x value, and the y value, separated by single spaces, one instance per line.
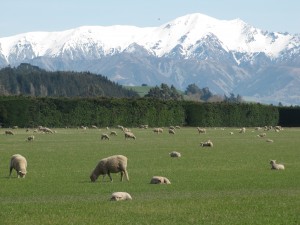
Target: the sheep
pixel 207 144
pixel 112 164
pixel 142 126
pixel 19 163
pixel 113 133
pixel 177 127
pixel 45 129
pixel 120 196
pixel 269 140
pixel 104 137
pixel 231 133
pixel 175 154
pixel 262 135
pixel 129 135
pixel 242 130
pixel 276 166
pixel 30 138
pixel 159 180
pixel 94 127
pixel 172 127
pixel 158 130
pixel 171 131
pixel 9 132
pixel 201 130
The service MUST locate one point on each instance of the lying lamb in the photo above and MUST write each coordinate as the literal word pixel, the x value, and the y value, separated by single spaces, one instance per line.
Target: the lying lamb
pixel 112 164
pixel 276 166
pixel 159 180
pixel 19 163
pixel 120 196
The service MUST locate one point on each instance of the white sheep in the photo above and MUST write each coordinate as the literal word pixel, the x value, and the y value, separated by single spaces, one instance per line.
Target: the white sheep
pixel 231 133
pixel 262 135
pixel 113 133
pixel 242 130
pixel 112 164
pixel 207 144
pixel 175 154
pixel 201 130
pixel 158 130
pixel 120 196
pixel 104 137
pixel 159 180
pixel 269 140
pixel 276 166
pixel 94 127
pixel 129 135
pixel 171 131
pixel 19 163
pixel 177 127
pixel 9 132
pixel 30 138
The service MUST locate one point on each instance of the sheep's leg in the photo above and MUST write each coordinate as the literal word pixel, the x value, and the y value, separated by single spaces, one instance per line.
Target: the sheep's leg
pixel 126 175
pixel 110 176
pixel 10 170
pixel 121 175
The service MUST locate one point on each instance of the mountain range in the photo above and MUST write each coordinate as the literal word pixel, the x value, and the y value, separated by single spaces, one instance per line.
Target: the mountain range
pixel 227 56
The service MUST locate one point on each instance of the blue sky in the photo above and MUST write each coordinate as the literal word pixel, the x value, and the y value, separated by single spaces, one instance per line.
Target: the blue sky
pixel 20 16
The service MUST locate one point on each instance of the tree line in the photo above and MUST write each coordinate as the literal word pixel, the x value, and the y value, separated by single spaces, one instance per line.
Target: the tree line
pixel 25 111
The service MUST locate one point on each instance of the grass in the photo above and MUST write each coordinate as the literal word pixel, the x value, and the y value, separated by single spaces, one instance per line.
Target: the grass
pixel 229 184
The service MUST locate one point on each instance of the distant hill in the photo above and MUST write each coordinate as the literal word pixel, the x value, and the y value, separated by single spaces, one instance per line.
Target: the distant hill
pixel 31 80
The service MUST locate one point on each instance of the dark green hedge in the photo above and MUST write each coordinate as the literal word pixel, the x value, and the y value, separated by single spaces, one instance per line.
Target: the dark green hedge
pixel 60 112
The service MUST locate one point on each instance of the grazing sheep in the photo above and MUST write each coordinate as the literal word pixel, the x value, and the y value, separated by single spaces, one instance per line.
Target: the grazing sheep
pixel 175 154
pixel 207 144
pixel 120 196
pixel 159 180
pixel 276 166
pixel 9 132
pixel 94 127
pixel 171 131
pixel 231 133
pixel 201 130
pixel 45 129
pixel 104 137
pixel 158 130
pixel 129 135
pixel 144 126
pixel 262 135
pixel 269 140
pixel 113 133
pixel 172 127
pixel 242 130
pixel 19 163
pixel 177 127
pixel 112 164
pixel 30 138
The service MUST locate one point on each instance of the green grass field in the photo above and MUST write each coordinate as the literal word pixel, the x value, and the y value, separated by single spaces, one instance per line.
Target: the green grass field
pixel 231 183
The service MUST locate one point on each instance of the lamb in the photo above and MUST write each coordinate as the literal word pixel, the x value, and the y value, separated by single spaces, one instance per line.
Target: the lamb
pixel 104 137
pixel 276 166
pixel 207 144
pixel 9 132
pixel 129 135
pixel 112 164
pixel 19 163
pixel 159 180
pixel 120 196
pixel 175 154
pixel 30 138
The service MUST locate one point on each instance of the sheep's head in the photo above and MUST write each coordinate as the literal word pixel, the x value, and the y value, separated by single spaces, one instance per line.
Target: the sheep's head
pixel 272 162
pixel 93 178
pixel 22 174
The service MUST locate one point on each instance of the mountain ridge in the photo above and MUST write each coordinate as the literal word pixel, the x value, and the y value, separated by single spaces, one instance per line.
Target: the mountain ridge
pixel 195 48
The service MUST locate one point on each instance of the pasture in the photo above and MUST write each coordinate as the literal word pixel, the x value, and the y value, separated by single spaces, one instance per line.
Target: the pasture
pixel 231 183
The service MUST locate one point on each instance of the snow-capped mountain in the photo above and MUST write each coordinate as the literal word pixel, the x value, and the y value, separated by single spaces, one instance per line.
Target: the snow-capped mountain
pixel 226 56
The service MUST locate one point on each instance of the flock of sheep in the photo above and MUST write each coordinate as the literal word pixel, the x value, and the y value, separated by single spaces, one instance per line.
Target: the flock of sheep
pixel 118 163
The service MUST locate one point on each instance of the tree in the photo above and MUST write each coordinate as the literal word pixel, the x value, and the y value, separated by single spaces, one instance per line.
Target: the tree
pixel 164 93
